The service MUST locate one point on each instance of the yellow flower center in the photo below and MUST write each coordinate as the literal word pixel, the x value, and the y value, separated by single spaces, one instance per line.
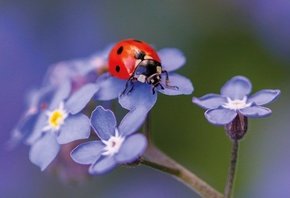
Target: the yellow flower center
pixel 56 118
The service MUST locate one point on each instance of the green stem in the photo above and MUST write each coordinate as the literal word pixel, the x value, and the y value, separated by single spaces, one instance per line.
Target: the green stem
pixel 232 170
pixel 154 158
pixel 146 126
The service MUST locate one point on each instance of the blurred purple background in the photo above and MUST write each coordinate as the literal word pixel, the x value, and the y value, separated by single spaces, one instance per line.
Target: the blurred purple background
pixel 254 36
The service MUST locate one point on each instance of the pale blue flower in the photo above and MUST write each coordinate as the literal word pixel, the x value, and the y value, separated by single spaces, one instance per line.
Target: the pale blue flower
pixel 234 98
pixel 117 145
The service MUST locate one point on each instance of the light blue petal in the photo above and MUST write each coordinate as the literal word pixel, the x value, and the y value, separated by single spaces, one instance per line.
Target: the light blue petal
pixel 141 96
pixel 132 148
pixel 88 152
pixel 171 59
pixel 264 96
pixel 109 87
pixel 132 121
pixel 41 122
pixel 23 129
pixel 104 165
pixel 183 84
pixel 61 94
pixel 255 112
pixel 237 88
pixel 43 96
pixel 80 98
pixel 75 127
pixel 104 122
pixel 44 150
pixel 210 101
pixel 220 116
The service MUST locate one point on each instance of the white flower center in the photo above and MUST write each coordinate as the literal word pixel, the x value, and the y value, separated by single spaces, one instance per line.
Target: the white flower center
pixel 56 118
pixel 236 104
pixel 113 144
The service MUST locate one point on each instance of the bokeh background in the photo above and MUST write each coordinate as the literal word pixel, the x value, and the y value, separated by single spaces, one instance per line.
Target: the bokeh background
pixel 220 39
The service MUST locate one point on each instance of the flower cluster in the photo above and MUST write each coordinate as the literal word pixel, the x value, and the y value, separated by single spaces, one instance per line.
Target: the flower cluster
pixel 61 112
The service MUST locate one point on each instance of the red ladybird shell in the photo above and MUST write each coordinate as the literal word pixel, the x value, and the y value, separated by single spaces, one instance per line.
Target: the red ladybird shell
pixel 122 61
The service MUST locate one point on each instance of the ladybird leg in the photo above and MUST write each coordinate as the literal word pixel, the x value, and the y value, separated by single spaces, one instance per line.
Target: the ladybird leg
pixel 153 90
pixel 167 81
pixel 132 86
pixel 126 87
pixel 154 86
pixel 167 78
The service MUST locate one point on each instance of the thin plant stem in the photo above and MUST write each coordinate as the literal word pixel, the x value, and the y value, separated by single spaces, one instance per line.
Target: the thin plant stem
pixel 232 170
pixel 146 127
pixel 154 158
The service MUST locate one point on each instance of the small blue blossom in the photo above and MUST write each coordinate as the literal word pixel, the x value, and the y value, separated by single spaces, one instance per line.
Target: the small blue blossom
pixel 171 59
pixel 141 99
pixel 36 101
pixel 117 145
pixel 234 99
pixel 79 71
pixel 56 125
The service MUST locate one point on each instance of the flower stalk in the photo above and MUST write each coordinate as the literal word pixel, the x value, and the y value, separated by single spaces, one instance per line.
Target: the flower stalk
pixel 154 158
pixel 232 170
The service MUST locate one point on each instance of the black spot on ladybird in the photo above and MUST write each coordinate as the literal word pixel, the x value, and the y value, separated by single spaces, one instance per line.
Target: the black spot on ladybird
pixel 117 68
pixel 137 41
pixel 120 50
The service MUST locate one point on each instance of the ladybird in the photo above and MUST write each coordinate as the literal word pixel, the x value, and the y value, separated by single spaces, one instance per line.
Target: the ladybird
pixel 136 60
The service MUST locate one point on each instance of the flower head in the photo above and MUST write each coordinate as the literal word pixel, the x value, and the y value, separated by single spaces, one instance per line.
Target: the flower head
pixel 117 145
pixel 140 99
pixel 234 99
pixel 78 71
pixel 59 123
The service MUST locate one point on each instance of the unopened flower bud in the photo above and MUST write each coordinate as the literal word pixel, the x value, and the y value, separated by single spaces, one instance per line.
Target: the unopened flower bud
pixel 237 128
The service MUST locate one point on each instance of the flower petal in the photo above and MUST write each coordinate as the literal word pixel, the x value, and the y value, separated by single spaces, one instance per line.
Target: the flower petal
pixel 171 58
pixel 88 152
pixel 109 87
pixel 37 130
pixel 220 116
pixel 132 121
pixel 255 111
pixel 37 97
pixel 75 127
pixel 104 122
pixel 132 148
pixel 184 85
pixel 264 96
pixel 103 165
pixel 43 151
pixel 22 130
pixel 80 98
pixel 62 93
pixel 210 101
pixel 237 88
pixel 140 96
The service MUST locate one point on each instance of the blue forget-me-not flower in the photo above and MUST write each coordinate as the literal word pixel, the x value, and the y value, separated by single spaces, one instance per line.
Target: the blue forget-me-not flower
pixel 234 99
pixel 117 145
pixel 59 123
pixel 141 100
